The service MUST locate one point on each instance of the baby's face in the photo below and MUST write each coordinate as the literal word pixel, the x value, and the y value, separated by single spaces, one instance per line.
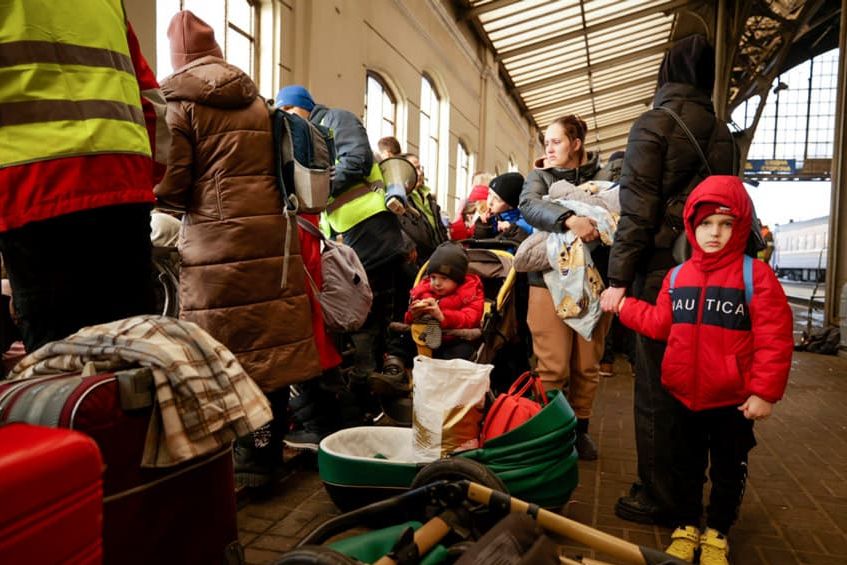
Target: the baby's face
pixel 714 232
pixel 441 285
pixel 496 205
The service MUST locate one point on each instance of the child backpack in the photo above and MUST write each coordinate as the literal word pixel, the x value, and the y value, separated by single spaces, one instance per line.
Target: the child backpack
pixel 345 295
pixel 304 156
pixel 747 273
pixel 512 409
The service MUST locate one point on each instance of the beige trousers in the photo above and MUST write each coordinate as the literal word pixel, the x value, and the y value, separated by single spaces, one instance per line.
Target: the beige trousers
pixel 566 360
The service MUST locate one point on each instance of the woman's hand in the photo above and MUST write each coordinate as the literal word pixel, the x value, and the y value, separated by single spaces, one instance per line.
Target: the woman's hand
pixel 582 227
pixel 611 300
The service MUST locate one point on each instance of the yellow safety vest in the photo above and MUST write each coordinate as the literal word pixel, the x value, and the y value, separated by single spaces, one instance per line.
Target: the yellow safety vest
pixel 360 209
pixel 67 83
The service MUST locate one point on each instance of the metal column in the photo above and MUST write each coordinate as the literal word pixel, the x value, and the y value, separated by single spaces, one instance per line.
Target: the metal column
pixel 836 264
pixel 721 89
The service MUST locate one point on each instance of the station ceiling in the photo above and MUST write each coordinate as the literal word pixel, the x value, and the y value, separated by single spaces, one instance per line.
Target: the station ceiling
pixel 600 59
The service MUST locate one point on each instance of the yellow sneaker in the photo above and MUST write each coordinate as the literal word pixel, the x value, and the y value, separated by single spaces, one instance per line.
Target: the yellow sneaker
pixel 713 548
pixel 684 543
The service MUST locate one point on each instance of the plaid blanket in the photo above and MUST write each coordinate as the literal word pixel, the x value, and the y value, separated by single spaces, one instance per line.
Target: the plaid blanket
pixel 204 399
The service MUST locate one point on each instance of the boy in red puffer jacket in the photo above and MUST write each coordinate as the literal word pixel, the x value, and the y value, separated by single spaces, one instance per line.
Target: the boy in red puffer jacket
pixel 728 327
pixel 450 298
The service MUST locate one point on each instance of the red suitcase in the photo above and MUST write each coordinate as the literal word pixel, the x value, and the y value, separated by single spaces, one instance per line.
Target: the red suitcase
pixel 51 495
pixel 182 514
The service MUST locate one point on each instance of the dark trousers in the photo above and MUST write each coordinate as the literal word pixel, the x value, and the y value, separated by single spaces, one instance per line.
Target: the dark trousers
pixel 457 349
pixel 79 269
pixel 720 438
pixel 655 409
pixel 372 340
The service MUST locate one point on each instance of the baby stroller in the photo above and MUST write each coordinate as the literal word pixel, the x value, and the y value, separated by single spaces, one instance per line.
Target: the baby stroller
pixel 536 461
pixel 439 522
pixel 495 267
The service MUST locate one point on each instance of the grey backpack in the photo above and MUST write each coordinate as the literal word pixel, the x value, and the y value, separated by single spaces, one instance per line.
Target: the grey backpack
pixel 345 295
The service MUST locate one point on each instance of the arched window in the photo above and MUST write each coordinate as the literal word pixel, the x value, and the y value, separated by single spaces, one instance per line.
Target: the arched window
pixel 380 109
pixel 234 23
pixel 463 172
pixel 430 125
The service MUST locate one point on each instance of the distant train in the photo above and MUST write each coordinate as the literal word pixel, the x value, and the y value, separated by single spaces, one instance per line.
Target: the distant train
pixel 800 249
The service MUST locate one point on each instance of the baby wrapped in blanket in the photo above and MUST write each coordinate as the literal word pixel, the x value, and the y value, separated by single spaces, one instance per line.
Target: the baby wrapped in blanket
pixel 569 270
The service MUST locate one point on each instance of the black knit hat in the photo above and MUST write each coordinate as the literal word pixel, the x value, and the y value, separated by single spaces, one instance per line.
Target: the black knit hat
pixel 508 187
pixel 449 259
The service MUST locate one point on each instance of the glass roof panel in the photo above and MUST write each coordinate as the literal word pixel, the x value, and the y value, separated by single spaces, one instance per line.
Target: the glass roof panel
pixel 508 9
pixel 531 32
pixel 562 65
pixel 522 14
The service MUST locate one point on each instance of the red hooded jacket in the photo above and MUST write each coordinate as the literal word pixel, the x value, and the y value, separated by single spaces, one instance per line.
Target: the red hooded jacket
pixel 720 349
pixel 462 308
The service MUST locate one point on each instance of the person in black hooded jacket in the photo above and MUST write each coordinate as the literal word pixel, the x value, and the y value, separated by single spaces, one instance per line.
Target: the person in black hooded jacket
pixel 661 163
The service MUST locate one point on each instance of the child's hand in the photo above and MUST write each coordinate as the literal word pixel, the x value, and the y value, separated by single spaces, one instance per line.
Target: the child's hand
pixel 421 306
pixel 756 408
pixel 435 312
pixel 503 226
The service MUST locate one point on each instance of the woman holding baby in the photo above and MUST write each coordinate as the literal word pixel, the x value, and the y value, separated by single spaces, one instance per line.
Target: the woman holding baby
pixel 566 360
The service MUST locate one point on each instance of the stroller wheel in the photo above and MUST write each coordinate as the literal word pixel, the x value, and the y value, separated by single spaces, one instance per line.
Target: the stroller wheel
pixel 456 469
pixel 315 555
pixel 477 518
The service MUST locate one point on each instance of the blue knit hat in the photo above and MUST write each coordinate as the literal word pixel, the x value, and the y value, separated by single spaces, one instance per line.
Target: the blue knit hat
pixel 295 95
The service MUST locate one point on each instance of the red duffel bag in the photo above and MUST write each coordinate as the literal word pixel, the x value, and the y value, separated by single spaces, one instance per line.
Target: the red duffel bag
pixel 512 409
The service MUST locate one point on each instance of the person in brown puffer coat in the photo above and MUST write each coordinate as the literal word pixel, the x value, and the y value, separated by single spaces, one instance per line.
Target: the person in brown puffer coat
pixel 232 245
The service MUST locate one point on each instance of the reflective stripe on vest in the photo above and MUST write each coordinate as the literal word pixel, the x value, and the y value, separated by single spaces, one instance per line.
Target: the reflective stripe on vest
pixel 67 84
pixel 361 208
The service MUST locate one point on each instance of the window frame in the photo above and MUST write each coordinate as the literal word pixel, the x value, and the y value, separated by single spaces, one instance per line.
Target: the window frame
pixel 222 35
pixel 429 146
pixel 387 92
pixel 464 172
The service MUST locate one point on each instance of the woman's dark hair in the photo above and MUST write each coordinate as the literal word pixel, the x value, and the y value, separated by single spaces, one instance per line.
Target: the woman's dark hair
pixel 575 128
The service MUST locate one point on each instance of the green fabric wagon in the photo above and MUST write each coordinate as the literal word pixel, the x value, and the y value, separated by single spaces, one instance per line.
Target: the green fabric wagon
pixel 536 461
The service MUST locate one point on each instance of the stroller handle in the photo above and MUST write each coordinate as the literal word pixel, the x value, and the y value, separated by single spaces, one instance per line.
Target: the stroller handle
pixel 621 550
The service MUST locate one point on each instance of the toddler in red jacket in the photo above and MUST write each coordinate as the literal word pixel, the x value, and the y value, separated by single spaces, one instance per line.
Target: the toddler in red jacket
pixel 728 327
pixel 451 298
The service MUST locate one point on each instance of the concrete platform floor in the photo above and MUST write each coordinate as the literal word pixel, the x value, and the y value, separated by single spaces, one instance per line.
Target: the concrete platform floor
pixel 794 510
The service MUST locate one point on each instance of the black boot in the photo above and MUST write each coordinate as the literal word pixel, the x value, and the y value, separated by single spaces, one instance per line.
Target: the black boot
pixel 392 380
pixel 640 507
pixel 258 456
pixel 254 464
pixel 585 447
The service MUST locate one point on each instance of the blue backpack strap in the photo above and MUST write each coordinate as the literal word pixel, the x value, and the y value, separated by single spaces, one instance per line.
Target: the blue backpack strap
pixel 674 273
pixel 748 279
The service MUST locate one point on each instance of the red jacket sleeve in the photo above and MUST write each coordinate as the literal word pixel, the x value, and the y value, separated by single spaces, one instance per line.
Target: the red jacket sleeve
pixel 649 320
pixel 152 104
pixel 773 337
pixel 469 315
